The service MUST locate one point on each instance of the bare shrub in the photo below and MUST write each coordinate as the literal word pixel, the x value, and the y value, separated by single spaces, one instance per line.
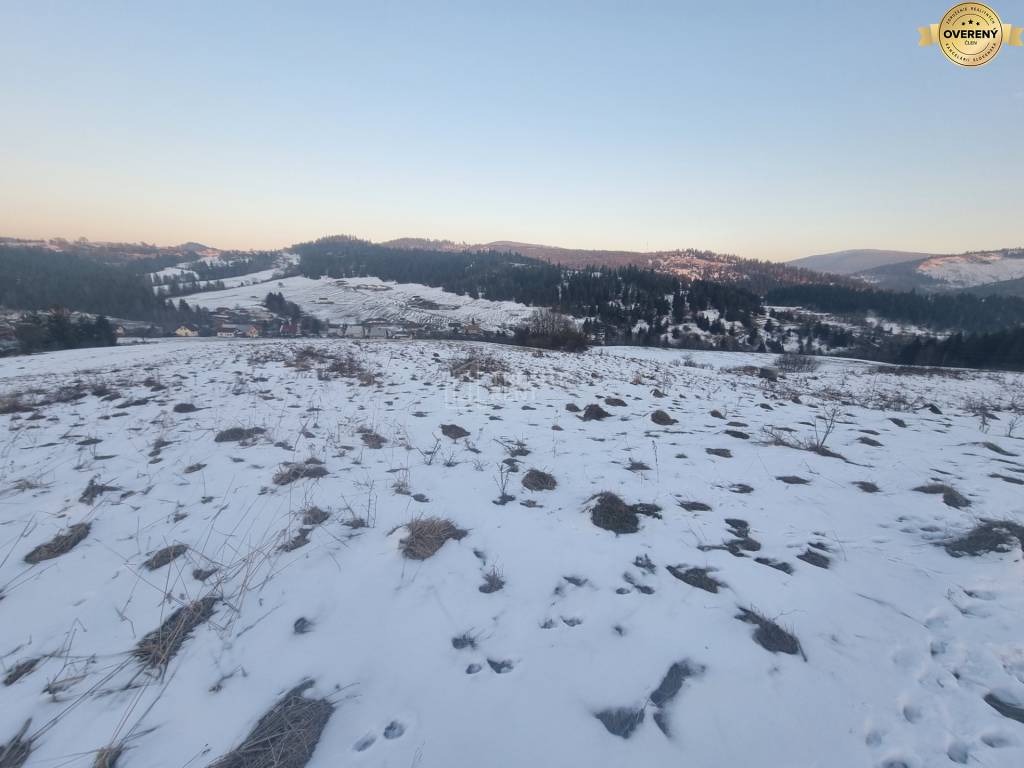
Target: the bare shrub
pixel 60 544
pixel 791 362
pixel 426 535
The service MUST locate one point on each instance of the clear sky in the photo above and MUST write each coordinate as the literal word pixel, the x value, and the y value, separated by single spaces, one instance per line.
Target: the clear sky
pixel 766 129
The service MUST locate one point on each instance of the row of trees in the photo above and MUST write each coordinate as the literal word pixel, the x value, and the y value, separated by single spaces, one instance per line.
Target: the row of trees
pixel 55 330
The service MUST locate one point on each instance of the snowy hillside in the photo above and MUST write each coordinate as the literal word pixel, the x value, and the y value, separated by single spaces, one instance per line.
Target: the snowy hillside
pixel 357 299
pixel 439 555
pixel 972 269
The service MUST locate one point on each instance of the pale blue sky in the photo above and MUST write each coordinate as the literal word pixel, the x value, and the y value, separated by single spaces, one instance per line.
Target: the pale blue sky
pixel 770 130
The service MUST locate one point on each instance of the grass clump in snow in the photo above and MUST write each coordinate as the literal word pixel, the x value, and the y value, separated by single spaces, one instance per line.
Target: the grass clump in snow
pixel 238 434
pixel 621 721
pixel 60 544
pixel 594 412
pixel 289 472
pixel 286 736
pixel 987 537
pixel 700 578
pixel 164 556
pixel 158 647
pixel 426 535
pixel 950 495
pixel 494 580
pixel 611 513
pixel 19 670
pixel 770 635
pixel 108 757
pixel 662 419
pixel 14 754
pixel 93 490
pixel 535 480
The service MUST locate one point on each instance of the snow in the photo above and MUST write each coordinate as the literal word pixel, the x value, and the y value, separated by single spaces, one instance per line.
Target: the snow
pixel 971 269
pixel 353 300
pixel 902 641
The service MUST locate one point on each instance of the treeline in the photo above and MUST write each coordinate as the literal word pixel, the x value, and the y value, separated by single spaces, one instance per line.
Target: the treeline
pixel 35 279
pixel 1000 349
pixel 55 330
pixel 959 311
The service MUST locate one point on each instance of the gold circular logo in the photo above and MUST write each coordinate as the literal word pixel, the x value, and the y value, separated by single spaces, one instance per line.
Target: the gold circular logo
pixel 970 34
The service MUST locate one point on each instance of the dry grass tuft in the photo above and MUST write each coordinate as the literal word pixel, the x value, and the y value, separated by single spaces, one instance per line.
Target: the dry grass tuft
pixel 107 757
pixel 289 473
pixel 770 635
pixel 314 516
pixel 19 670
pixel 950 495
pixel 426 535
pixel 164 556
pixel 371 439
pixel 286 736
pixel 453 431
pixel 60 544
pixel 494 580
pixel 158 647
pixel 989 536
pixel 700 578
pixel 662 419
pixel 535 480
pixel 238 434
pixel 14 754
pixel 611 513
pixel 93 490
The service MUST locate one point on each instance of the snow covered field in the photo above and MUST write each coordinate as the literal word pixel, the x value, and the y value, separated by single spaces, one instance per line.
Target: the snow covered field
pixel 179 485
pixel 356 299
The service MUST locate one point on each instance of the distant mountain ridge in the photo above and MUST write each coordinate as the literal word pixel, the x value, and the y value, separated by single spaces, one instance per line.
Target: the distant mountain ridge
pixel 855 260
pixel 998 271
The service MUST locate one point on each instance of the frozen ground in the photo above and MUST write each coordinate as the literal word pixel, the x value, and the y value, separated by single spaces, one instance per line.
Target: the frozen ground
pixel 883 649
pixel 356 299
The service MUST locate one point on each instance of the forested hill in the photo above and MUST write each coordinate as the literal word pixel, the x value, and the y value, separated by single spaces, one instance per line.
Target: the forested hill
pixel 619 297
pixel 36 279
pixel 942 311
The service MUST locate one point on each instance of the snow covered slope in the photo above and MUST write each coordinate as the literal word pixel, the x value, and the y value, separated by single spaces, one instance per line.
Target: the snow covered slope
pixel 356 299
pixel 753 604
